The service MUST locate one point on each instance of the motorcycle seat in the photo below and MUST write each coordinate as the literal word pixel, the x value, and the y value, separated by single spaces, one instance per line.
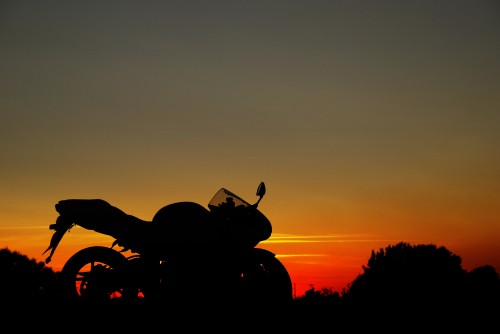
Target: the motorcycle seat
pixel 94 208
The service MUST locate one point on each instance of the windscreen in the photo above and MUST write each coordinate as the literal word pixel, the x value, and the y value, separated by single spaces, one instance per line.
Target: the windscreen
pixel 223 196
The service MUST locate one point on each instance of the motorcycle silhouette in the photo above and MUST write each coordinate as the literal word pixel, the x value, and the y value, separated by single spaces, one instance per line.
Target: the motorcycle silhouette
pixel 185 253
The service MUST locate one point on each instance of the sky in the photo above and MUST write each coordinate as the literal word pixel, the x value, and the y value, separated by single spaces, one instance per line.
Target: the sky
pixel 370 122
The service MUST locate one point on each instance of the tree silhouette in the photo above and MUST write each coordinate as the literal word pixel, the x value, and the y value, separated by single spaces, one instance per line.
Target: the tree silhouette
pixel 25 281
pixel 483 286
pixel 423 279
pixel 403 274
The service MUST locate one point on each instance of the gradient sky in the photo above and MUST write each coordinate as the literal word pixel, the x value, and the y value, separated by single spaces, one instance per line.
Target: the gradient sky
pixel 371 122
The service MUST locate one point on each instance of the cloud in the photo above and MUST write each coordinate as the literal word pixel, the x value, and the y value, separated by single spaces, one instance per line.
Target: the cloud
pixel 299 255
pixel 283 239
pixel 332 238
pixel 13 228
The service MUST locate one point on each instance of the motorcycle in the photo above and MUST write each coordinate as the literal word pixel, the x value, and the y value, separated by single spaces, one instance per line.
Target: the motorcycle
pixel 185 253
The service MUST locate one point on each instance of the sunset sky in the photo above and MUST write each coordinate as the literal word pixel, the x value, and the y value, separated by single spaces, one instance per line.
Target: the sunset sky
pixel 371 122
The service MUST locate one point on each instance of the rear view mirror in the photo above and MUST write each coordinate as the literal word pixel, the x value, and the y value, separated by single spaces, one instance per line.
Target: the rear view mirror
pixel 261 190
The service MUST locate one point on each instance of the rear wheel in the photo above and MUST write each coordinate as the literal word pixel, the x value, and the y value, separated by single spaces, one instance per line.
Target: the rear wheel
pixel 98 275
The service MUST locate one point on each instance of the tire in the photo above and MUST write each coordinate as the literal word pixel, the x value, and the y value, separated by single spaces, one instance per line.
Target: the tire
pixel 265 280
pixel 96 275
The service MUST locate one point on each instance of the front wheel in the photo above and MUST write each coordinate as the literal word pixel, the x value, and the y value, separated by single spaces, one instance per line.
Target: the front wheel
pixel 96 275
pixel 264 279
